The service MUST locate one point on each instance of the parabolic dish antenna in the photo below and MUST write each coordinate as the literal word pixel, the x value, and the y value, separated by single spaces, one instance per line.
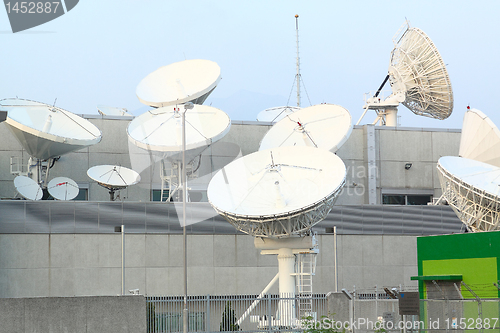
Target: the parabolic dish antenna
pixel 47 131
pixel 418 78
pixel 63 188
pixel 480 138
pixel 113 177
pixel 276 114
pixel 472 189
pixel 325 126
pixel 112 111
pixel 278 192
pixel 161 129
pixel 28 188
pixel 180 82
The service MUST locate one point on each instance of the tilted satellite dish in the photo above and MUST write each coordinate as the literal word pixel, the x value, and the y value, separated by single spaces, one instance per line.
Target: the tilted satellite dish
pixel 480 138
pixel 205 125
pixel 113 177
pixel 418 78
pixel 113 111
pixel 276 114
pixel 278 192
pixel 178 83
pixel 47 131
pixel 325 126
pixel 472 189
pixel 63 188
pixel 278 195
pixel 160 130
pixel 28 188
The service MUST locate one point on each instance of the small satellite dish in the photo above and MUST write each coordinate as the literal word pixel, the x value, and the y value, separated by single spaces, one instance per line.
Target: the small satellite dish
pixel 178 83
pixel 47 131
pixel 113 177
pixel 63 188
pixel 325 126
pixel 276 114
pixel 480 138
pixel 113 111
pixel 472 189
pixel 278 192
pixel 161 129
pixel 418 78
pixel 28 188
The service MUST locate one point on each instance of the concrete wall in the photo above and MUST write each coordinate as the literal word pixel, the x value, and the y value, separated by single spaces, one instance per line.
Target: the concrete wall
pixel 126 314
pixel 82 264
pixel 394 147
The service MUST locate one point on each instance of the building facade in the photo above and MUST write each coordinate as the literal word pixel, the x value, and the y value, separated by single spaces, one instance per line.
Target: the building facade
pixel 51 248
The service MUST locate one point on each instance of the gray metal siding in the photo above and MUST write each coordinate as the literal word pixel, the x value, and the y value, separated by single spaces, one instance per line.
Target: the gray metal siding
pixel 153 217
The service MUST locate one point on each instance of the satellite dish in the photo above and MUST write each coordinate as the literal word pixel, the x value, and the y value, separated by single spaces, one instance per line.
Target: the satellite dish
pixel 113 177
pixel 63 188
pixel 28 188
pixel 325 126
pixel 480 138
pixel 278 192
pixel 418 78
pixel 472 189
pixel 178 83
pixel 160 130
pixel 47 131
pixel 276 114
pixel 113 111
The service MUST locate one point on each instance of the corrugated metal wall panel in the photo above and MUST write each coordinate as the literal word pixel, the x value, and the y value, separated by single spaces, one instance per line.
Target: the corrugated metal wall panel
pixel 86 215
pixel 12 217
pixel 37 217
pixel 23 216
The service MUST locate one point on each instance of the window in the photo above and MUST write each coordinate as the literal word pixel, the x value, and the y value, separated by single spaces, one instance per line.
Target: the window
pixel 406 199
pixel 194 196
pixel 156 195
pixel 83 194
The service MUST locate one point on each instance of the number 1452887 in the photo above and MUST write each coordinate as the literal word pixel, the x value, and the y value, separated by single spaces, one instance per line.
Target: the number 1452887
pixel 30 7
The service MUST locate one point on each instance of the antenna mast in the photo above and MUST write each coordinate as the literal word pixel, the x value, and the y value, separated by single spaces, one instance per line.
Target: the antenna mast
pixel 298 59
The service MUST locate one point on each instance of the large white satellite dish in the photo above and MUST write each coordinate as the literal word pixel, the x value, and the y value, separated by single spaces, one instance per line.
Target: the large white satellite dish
pixel 160 129
pixel 278 192
pixel 178 83
pixel 418 78
pixel 63 188
pixel 472 189
pixel 113 177
pixel 28 188
pixel 325 126
pixel 113 111
pixel 276 114
pixel 480 139
pixel 47 131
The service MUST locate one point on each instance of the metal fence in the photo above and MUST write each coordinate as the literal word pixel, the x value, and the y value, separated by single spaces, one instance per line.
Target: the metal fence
pixel 458 316
pixel 245 313
pixel 331 313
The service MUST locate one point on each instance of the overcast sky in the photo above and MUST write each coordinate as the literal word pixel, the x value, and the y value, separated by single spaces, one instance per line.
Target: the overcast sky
pixel 98 52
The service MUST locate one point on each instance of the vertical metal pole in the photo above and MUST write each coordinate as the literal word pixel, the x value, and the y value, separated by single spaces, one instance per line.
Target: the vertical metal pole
pixel 335 258
pixel 298 59
pixel 123 259
pixel 184 190
pixel 207 320
pixel 269 322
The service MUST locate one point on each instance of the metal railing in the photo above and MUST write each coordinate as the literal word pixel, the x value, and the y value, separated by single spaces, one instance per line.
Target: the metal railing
pixel 271 313
pixel 209 313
